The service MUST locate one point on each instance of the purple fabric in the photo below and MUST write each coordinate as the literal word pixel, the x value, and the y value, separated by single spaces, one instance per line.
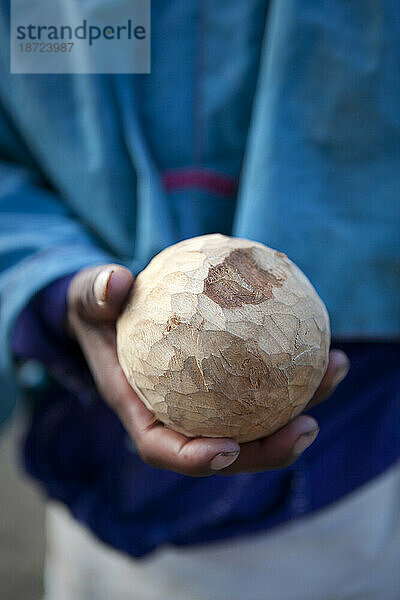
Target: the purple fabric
pixel 39 332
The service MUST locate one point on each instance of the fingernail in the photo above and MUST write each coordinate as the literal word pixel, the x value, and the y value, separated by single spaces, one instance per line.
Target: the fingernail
pixel 304 441
pixel 100 286
pixel 223 460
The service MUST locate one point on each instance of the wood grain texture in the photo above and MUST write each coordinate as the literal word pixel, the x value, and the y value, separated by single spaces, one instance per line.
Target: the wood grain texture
pixel 223 337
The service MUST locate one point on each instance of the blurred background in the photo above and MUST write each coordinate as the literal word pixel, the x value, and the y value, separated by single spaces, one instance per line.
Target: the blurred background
pixel 21 523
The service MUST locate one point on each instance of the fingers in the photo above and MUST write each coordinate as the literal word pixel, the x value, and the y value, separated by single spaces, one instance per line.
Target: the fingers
pixel 286 445
pixel 163 448
pixel 278 450
pixel 338 367
pixel 96 294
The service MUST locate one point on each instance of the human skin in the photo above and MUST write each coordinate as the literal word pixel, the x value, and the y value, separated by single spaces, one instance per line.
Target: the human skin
pixel 95 297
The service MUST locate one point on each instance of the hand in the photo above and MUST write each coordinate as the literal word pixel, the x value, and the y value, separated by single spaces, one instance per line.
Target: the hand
pixel 95 297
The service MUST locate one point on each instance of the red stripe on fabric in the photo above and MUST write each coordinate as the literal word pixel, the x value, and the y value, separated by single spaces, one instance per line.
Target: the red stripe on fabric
pixel 209 181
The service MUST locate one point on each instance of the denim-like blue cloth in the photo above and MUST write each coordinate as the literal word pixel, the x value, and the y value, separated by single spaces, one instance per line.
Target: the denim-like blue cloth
pixel 275 121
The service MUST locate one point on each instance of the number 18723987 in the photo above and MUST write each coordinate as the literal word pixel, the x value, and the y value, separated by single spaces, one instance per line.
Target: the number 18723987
pixel 46 47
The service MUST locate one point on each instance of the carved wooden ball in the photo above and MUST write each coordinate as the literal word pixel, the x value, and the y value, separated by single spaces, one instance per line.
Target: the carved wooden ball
pixel 223 337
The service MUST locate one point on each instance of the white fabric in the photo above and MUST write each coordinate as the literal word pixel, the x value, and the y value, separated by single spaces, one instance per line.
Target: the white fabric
pixel 349 551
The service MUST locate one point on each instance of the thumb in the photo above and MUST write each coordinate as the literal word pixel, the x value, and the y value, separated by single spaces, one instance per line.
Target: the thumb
pixel 96 294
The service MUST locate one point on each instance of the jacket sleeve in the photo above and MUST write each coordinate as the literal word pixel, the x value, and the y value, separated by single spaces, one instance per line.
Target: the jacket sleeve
pixel 40 242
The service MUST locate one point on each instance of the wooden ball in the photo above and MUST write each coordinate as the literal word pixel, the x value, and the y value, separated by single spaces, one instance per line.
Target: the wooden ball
pixel 223 337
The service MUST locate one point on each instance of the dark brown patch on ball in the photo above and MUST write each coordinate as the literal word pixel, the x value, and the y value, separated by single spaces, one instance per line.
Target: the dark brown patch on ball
pixel 239 280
